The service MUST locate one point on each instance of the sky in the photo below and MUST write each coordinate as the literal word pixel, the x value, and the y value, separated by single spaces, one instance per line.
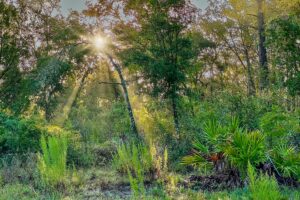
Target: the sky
pixel 79 5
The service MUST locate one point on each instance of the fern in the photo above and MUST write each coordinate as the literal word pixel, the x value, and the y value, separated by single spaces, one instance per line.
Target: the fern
pixel 52 162
pixel 262 186
pixel 246 147
pixel 287 161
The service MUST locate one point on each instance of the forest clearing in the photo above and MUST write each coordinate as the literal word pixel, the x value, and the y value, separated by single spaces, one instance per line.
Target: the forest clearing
pixel 150 99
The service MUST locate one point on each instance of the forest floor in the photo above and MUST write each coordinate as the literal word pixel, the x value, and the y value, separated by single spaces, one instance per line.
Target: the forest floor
pixel 104 183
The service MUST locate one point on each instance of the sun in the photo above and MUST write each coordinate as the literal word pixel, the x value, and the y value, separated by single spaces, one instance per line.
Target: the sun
pixel 100 42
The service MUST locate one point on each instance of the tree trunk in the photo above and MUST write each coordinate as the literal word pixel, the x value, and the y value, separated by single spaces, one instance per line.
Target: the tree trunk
pixel 126 96
pixel 175 114
pixel 251 85
pixel 262 51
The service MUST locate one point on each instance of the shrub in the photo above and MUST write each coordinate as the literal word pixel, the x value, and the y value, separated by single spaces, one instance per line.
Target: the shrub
pixel 52 163
pixel 210 150
pixel 214 136
pixel 138 161
pixel 287 161
pixel 19 169
pixel 246 147
pixel 247 109
pixel 79 153
pixel 262 186
pixel 132 156
pixel 279 126
pixel 18 135
pixel 103 153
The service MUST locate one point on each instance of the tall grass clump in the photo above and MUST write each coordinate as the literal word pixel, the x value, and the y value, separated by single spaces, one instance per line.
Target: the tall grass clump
pixel 140 161
pixel 52 162
pixel 135 160
pixel 262 186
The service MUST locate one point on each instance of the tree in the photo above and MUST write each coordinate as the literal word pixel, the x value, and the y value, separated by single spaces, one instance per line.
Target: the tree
pixel 231 30
pixel 44 56
pixel 284 46
pixel 160 49
pixel 262 51
pixel 10 52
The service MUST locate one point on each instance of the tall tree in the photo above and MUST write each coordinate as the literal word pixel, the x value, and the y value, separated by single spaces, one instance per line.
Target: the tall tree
pixel 231 30
pixel 126 95
pixel 284 46
pixel 159 48
pixel 107 14
pixel 10 52
pixel 262 51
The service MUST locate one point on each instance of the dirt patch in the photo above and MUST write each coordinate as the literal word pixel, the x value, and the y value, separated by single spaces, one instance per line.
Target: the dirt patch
pixel 112 192
pixel 226 180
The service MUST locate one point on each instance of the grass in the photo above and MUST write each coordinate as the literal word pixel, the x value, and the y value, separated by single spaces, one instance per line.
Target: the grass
pixel 52 163
pixel 18 191
pixel 106 183
pixel 25 192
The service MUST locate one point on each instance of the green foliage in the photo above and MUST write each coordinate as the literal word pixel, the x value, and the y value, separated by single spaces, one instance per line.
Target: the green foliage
pixel 247 109
pixel 246 147
pixel 137 184
pixel 214 140
pixel 283 38
pixel 279 126
pixel 139 162
pixel 135 157
pixel 12 91
pixel 287 161
pixel 10 50
pixel 45 82
pixel 112 120
pixel 262 186
pixel 18 135
pixel 222 106
pixel 19 169
pixel 18 191
pixel 163 58
pixel 136 160
pixel 52 163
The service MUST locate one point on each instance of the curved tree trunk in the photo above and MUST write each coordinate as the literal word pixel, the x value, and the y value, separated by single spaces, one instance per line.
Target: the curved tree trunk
pixel 126 96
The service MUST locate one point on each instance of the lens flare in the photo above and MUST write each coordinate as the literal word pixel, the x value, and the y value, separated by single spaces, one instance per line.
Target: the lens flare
pixel 99 42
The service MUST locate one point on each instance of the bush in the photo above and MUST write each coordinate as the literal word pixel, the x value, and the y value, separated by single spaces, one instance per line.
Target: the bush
pixel 262 186
pixel 79 153
pixel 279 126
pixel 247 109
pixel 19 169
pixel 246 147
pixel 103 153
pixel 18 135
pixel 52 163
pixel 287 161
pixel 210 150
